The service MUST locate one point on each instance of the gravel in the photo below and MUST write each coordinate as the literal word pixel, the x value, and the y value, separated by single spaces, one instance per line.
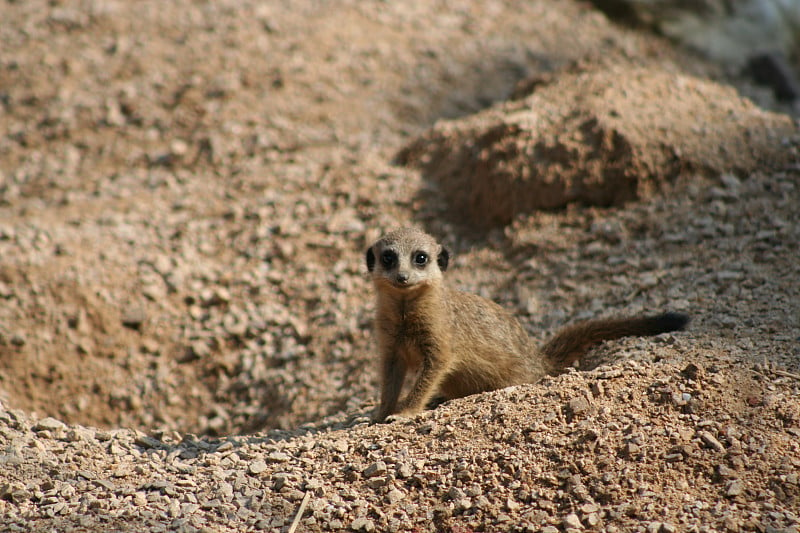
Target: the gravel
pixel 478 463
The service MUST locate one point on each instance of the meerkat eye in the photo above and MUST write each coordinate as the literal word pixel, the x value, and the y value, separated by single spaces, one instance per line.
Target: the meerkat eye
pixel 388 258
pixel 420 258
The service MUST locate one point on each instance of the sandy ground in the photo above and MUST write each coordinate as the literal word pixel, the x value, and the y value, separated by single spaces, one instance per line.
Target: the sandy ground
pixel 186 193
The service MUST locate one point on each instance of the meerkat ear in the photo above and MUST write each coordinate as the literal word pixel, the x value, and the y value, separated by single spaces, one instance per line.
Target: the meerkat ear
pixel 443 259
pixel 370 259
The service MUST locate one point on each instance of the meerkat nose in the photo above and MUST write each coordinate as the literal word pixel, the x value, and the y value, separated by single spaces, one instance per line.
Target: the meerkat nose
pixel 402 278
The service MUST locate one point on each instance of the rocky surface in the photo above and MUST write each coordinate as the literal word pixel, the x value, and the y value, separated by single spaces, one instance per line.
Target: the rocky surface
pixel 661 446
pixel 186 192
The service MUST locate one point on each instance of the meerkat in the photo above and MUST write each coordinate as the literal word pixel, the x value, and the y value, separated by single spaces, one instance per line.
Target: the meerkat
pixel 458 343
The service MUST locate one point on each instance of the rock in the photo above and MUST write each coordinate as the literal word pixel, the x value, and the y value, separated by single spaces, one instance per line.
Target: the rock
pixel 693 371
pixel 14 492
pixel 49 424
pixel 362 524
pixel 711 441
pixel 630 450
pixel 592 520
pixel 146 441
pixel 257 467
pixel 667 527
pixel 377 468
pixel 394 496
pixel 133 317
pixel 278 457
pixel 461 504
pixel 340 446
pixel 376 482
pixel 456 493
pixel 17 339
pixel 725 471
pixel 404 471
pixel 225 446
pixel 734 488
pixel 512 505
pixel 576 407
pixel 572 521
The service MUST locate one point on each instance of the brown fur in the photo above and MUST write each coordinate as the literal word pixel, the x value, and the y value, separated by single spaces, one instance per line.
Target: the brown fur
pixel 458 343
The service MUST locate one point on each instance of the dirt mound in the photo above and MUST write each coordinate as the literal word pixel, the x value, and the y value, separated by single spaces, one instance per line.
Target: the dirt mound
pixel 640 447
pixel 597 137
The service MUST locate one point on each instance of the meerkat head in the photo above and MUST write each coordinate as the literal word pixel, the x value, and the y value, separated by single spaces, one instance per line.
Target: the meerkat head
pixel 407 258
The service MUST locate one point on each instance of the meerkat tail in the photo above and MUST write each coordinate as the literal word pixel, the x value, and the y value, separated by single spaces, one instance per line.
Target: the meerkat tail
pixel 572 342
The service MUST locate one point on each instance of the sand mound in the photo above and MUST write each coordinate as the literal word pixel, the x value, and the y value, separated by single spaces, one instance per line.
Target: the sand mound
pixel 597 137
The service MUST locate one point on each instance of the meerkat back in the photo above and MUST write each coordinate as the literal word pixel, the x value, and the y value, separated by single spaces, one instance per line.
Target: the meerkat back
pixel 490 347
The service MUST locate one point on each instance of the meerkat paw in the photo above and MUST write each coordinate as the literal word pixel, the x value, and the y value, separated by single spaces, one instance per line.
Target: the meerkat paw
pixel 398 417
pixel 378 416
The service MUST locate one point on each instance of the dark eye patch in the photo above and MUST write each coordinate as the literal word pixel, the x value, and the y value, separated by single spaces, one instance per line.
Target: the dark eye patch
pixel 388 258
pixel 420 258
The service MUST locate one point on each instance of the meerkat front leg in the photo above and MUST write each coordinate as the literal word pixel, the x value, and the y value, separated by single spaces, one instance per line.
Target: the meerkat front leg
pixel 431 375
pixel 393 375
